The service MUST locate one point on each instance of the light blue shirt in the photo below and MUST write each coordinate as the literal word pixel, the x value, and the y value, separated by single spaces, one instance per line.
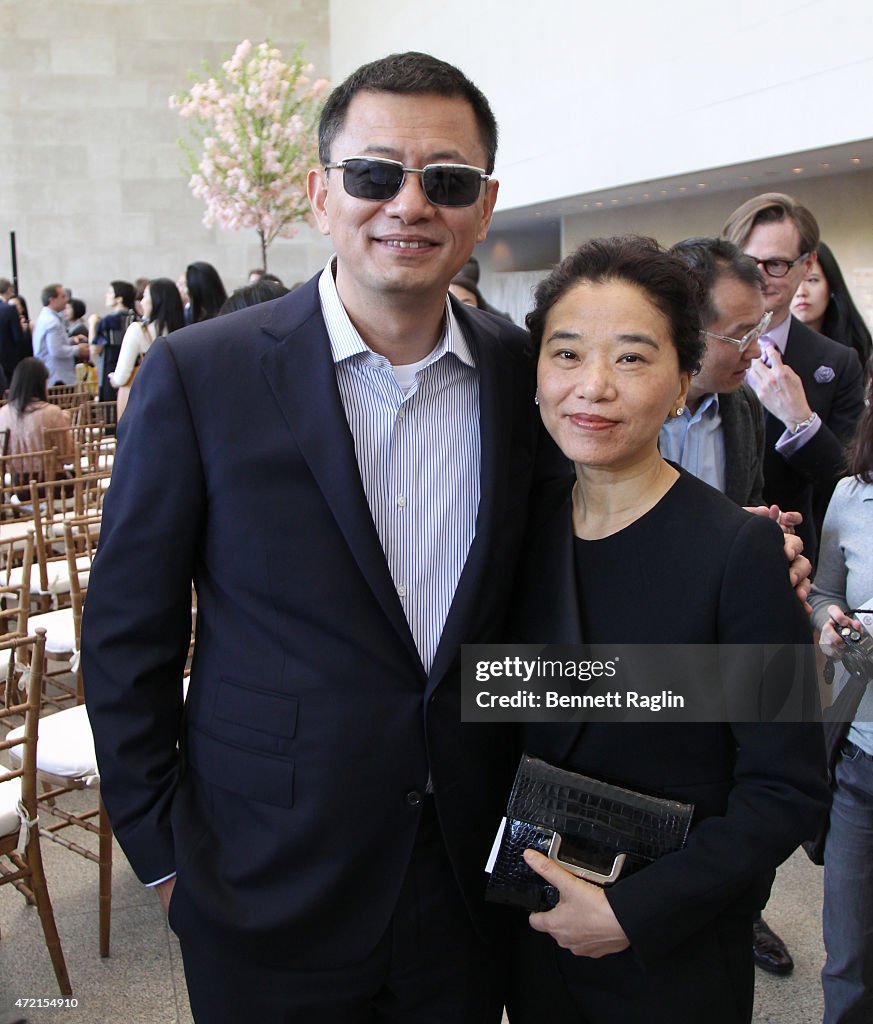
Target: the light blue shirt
pixel 696 442
pixel 419 454
pixel 52 345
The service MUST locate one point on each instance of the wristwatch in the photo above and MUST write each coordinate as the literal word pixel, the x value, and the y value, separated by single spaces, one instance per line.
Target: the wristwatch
pixel 803 424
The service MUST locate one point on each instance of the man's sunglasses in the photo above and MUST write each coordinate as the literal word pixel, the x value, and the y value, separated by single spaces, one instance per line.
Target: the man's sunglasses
pixel 367 177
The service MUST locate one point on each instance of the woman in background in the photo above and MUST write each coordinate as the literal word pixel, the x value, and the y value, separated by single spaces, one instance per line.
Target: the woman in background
pixel 162 313
pixel 823 302
pixel 206 293
pixel 28 415
pixel 253 294
pixel 843 584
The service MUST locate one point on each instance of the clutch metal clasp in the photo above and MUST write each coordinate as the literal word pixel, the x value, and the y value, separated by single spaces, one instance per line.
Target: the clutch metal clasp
pixel 589 874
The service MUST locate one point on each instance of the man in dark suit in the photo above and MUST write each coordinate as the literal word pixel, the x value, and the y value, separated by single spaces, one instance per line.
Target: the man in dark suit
pixel 342 474
pixel 811 387
pixel 11 335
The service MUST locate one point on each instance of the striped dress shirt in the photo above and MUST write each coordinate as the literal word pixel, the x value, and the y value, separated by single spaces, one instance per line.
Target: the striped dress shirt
pixel 419 454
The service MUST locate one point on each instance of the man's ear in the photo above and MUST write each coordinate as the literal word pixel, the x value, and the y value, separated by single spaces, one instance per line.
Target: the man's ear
pixel 316 189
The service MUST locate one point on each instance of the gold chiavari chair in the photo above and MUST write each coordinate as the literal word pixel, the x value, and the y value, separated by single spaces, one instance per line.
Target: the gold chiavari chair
pixel 20 850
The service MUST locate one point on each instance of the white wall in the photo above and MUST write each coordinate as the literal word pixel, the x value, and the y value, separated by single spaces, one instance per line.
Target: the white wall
pixel 593 95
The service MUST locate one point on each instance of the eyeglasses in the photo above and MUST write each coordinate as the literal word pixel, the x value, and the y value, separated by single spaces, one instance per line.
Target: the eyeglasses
pixel 747 339
pixel 378 180
pixel 779 268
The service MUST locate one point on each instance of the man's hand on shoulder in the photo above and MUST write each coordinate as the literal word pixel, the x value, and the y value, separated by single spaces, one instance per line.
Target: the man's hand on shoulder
pixel 799 567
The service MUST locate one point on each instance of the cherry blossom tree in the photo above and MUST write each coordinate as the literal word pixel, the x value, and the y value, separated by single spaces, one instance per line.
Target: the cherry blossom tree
pixel 253 137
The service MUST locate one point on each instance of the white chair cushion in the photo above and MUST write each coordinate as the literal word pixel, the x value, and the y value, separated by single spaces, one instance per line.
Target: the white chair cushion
pixel 58 576
pixel 60 632
pixel 15 529
pixel 10 794
pixel 66 745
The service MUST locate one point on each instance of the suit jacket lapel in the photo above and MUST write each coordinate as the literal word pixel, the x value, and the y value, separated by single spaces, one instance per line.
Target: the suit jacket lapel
pixel 301 374
pixel 549 603
pixel 551 611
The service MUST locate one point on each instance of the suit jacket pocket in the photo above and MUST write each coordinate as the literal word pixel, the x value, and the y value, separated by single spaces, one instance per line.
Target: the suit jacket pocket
pixel 241 770
pixel 252 717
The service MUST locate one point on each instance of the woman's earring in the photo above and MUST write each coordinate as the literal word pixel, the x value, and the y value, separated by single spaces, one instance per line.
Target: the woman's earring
pixel 679 410
pixel 537 398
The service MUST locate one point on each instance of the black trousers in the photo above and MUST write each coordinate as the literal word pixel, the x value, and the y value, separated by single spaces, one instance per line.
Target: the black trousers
pixel 430 967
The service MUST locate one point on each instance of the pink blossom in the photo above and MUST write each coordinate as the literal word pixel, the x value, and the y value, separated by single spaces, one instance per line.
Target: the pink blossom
pixel 257 127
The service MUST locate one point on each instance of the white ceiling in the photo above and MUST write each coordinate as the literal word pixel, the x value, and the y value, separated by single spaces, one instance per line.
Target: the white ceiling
pixel 760 175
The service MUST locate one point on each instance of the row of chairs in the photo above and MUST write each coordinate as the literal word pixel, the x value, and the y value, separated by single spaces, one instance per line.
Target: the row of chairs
pixel 46 570
pixel 20 852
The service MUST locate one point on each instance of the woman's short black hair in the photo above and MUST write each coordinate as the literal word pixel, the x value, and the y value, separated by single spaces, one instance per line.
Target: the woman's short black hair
pixel 638 261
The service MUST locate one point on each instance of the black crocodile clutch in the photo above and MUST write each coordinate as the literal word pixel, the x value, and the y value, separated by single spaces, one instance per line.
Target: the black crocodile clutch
pixel 598 831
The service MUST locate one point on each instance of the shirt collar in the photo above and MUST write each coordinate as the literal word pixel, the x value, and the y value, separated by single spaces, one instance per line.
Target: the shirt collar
pixel 778 336
pixel 346 342
pixel 708 407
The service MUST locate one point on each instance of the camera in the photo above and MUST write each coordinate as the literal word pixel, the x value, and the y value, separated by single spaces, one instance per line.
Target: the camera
pixel 857 652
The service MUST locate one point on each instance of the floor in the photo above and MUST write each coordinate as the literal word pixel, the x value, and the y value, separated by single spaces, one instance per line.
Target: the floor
pixel 142 981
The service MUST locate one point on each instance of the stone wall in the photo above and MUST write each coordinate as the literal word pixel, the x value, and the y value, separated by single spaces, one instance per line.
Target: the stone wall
pixel 91 176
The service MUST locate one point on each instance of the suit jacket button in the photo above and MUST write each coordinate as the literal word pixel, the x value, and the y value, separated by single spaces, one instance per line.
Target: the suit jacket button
pixel 413 798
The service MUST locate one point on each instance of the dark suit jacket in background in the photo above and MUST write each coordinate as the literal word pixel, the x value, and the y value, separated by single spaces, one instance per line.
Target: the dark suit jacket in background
pixel 12 344
pixel 803 482
pixel 742 424
pixel 310 728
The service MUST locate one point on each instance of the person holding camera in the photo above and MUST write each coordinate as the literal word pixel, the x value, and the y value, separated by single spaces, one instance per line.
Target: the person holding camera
pixel 843 586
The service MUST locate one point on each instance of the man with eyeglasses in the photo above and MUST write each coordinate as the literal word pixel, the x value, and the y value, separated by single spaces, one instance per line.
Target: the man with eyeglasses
pixel 810 386
pixel 349 500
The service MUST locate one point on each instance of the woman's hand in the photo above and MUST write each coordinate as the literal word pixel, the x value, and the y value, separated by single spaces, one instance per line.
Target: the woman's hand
pixel 583 921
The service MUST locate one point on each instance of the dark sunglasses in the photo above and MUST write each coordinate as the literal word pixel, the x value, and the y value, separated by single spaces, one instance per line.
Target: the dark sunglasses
pixel 366 177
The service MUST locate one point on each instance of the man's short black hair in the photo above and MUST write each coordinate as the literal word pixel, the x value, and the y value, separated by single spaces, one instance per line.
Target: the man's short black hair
pixel 125 291
pixel 406 74
pixel 711 259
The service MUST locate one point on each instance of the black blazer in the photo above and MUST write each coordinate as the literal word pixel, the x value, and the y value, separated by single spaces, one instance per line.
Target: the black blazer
pixel 12 343
pixel 742 424
pixel 717 575
pixel 311 729
pixel 804 481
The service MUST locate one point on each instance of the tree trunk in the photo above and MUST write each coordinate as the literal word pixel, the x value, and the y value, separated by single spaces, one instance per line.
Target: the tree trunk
pixel 263 239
